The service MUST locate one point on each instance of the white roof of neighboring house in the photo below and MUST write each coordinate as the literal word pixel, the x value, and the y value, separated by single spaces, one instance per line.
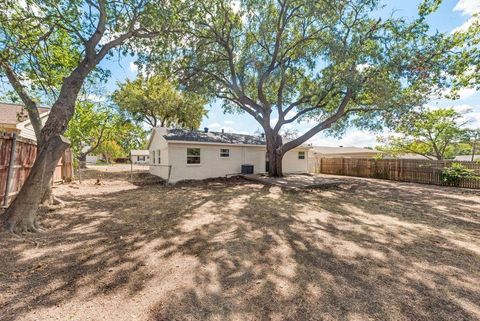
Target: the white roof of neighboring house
pixel 467 158
pixel 139 152
pixel 325 150
pixel 410 156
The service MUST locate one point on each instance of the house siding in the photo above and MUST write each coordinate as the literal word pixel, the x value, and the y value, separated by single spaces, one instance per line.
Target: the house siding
pixel 211 164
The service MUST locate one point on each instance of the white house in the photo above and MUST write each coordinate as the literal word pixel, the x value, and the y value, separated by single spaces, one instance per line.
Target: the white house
pixel 178 154
pixel 139 156
pixel 14 119
pixel 319 152
pixel 467 158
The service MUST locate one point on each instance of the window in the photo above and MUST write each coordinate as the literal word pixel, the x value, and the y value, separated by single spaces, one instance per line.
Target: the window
pixel 224 152
pixel 152 157
pixel 301 155
pixel 158 157
pixel 193 155
pixel 141 158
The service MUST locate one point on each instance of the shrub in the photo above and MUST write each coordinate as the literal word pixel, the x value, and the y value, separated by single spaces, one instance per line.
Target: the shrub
pixel 452 175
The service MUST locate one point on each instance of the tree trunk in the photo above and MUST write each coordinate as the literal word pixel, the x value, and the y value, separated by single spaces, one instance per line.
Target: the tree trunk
pixel 82 160
pixel 275 155
pixel 21 215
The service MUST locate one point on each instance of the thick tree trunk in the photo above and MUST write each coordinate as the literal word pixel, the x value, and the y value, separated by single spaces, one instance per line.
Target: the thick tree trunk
pixel 275 155
pixel 21 216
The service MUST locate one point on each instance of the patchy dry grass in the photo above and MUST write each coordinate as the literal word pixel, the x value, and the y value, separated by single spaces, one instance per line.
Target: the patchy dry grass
pixel 236 250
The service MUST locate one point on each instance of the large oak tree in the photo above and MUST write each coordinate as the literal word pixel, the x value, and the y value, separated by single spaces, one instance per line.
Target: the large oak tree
pixel 91 29
pixel 335 63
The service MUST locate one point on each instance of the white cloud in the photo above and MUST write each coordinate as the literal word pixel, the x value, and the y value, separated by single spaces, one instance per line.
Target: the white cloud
pixel 356 138
pixel 467 7
pixel 228 122
pixel 214 126
pixel 465 93
pixel 133 67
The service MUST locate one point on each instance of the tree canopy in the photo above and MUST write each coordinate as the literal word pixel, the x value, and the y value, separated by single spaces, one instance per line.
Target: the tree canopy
pixel 434 134
pixel 95 128
pixel 333 62
pixel 72 38
pixel 156 101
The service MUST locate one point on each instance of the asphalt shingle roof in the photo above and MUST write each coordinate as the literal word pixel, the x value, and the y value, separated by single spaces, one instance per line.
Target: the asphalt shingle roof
pixel 212 137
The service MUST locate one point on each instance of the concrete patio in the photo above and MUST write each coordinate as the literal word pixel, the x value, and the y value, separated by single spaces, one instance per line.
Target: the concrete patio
pixel 296 181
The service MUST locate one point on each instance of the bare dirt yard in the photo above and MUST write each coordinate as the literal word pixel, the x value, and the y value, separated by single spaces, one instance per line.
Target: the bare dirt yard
pixel 238 250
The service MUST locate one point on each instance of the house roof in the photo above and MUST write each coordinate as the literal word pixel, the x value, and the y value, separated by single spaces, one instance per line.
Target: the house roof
pixel 212 137
pixel 343 150
pixel 467 158
pixel 139 152
pixel 13 114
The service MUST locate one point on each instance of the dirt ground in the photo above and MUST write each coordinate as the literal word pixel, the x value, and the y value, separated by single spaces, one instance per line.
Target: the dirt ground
pixel 237 250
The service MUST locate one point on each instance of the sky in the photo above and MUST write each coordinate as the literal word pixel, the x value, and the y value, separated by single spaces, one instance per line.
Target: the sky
pixel 452 15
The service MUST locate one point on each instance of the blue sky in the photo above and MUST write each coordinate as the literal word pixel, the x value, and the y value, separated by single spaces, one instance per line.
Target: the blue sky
pixel 451 15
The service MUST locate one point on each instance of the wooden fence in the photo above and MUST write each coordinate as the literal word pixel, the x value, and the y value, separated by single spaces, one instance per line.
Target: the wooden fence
pixel 16 160
pixel 406 170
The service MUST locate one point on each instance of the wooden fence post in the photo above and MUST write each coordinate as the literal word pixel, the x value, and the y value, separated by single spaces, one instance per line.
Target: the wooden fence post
pixel 11 166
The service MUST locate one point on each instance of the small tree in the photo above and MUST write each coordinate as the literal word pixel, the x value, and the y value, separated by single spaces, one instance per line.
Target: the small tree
pixel 156 101
pixel 332 62
pixel 430 133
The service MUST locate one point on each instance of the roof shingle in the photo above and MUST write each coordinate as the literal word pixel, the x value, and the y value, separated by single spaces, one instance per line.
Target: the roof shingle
pixel 212 137
pixel 13 114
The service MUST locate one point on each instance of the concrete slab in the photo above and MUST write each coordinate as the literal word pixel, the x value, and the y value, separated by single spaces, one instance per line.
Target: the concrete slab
pixel 295 181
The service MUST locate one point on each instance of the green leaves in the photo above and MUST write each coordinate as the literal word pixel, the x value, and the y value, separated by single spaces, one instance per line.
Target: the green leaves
pixel 431 133
pixel 156 101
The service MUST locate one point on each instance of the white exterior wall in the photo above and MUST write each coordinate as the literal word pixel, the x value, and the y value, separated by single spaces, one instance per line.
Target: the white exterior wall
pixel 159 143
pixel 136 159
pixel 26 129
pixel 291 163
pixel 211 164
pixel 91 159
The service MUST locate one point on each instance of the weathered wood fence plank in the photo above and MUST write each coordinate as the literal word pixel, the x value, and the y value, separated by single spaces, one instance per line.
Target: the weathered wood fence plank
pixel 19 167
pixel 405 170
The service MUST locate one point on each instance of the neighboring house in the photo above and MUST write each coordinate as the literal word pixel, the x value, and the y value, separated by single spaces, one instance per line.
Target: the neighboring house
pixel 14 119
pixel 178 154
pixel 319 152
pixel 139 156
pixel 343 152
pixel 467 158
pixel 410 156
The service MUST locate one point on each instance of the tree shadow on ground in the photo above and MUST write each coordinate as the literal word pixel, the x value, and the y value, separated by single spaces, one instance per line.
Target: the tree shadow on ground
pixel 233 250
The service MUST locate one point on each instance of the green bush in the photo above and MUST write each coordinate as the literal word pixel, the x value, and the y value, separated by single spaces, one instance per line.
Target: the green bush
pixel 452 175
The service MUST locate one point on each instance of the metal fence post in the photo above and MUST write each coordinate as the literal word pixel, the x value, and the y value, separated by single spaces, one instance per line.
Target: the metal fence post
pixel 11 166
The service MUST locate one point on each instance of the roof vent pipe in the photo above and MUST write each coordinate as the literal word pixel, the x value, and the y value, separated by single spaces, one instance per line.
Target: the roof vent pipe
pixel 205 129
pixel 223 131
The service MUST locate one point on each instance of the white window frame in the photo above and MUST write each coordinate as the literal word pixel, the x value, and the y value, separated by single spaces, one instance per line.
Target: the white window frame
pixel 159 159
pixel 192 155
pixel 142 158
pixel 224 154
pixel 302 155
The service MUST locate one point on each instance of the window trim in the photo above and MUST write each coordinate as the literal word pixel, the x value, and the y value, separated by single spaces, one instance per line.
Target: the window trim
pixel 303 155
pixel 159 159
pixel 141 158
pixel 199 156
pixel 222 153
